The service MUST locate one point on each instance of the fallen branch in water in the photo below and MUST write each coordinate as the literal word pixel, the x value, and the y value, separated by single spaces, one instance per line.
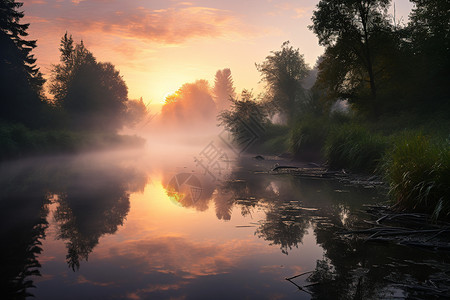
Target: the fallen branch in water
pixel 301 288
pixel 408 229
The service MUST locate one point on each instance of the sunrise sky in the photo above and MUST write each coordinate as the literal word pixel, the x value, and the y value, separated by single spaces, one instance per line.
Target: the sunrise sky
pixel 159 45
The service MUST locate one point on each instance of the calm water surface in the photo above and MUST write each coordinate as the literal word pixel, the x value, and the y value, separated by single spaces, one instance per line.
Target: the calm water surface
pixel 136 225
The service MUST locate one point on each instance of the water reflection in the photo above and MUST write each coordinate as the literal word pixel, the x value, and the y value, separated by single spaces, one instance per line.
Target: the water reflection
pixel 22 227
pixel 353 269
pixel 184 235
pixel 92 200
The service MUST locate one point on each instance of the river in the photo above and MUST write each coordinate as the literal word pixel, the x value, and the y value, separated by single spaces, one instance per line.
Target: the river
pixel 142 225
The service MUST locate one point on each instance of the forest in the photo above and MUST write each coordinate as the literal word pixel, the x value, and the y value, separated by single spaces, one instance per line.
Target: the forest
pixel 376 102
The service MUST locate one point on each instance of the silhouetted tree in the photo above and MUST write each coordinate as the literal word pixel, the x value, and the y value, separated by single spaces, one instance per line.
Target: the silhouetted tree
pixel 20 80
pixel 351 31
pixel 245 120
pixel 91 93
pixel 283 72
pixel 429 30
pixel 223 89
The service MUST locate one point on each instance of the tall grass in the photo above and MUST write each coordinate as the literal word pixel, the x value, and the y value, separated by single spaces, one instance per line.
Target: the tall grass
pixel 418 169
pixel 308 136
pixel 351 146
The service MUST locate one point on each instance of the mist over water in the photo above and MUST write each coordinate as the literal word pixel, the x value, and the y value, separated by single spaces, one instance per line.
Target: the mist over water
pixel 150 223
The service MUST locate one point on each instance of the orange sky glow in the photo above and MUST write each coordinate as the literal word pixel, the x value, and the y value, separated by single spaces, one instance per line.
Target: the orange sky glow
pixel 160 45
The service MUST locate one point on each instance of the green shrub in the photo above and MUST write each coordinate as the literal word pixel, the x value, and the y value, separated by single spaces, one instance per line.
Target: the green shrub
pixel 418 170
pixel 353 147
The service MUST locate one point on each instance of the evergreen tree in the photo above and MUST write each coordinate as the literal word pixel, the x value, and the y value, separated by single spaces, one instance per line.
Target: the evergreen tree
pixel 223 89
pixel 20 80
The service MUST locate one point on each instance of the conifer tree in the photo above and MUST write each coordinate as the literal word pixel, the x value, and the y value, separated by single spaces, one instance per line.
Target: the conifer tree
pixel 20 79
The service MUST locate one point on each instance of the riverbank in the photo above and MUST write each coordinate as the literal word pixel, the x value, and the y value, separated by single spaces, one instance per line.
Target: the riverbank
pixel 18 141
pixel 413 162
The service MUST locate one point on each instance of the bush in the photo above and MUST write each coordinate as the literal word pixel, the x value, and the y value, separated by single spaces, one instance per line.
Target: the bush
pixel 418 170
pixel 353 147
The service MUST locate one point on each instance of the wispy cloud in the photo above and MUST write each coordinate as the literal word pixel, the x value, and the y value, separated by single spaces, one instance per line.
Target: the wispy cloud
pixel 297 12
pixel 175 24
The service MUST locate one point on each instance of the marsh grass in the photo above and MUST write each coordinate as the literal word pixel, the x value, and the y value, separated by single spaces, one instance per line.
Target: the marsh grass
pixel 351 146
pixel 418 170
pixel 306 134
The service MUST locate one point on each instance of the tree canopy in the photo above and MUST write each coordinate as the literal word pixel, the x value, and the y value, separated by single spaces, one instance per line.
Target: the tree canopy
pixel 352 32
pixel 91 93
pixel 381 67
pixel 283 72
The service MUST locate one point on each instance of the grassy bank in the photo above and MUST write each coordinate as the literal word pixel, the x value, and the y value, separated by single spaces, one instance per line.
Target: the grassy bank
pixel 415 161
pixel 418 171
pixel 16 140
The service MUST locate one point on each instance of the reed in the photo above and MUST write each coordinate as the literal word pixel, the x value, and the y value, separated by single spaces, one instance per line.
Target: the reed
pixel 418 170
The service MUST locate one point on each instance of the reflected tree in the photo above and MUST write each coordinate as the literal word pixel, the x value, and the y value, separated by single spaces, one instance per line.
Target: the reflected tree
pixel 285 225
pixel 23 212
pixel 85 213
pixel 354 269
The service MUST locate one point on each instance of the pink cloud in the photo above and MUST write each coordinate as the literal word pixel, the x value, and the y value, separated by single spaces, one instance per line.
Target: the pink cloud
pixel 299 12
pixel 171 25
pixel 180 256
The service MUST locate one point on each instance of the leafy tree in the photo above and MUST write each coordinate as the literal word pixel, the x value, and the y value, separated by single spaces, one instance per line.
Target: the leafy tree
pixel 431 27
pixel 91 93
pixel 191 105
pixel 245 119
pixel 137 113
pixel 354 33
pixel 283 72
pixel 223 89
pixel 429 30
pixel 20 80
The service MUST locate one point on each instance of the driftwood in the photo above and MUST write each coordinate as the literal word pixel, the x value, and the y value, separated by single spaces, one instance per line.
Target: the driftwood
pixel 301 288
pixel 408 229
pixel 320 172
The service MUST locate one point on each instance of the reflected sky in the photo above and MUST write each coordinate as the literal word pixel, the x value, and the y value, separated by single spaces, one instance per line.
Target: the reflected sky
pixel 106 226
pixel 165 250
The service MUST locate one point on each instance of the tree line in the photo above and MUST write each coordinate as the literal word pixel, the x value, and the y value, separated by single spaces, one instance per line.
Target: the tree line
pixel 88 95
pixel 380 66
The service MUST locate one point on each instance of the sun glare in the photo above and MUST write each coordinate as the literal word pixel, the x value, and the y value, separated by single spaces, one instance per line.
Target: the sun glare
pixel 167 95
